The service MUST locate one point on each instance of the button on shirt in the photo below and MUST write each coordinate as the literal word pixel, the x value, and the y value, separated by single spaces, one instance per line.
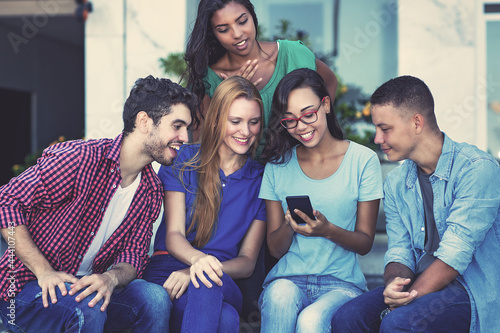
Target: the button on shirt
pixel 239 207
pixel 62 202
pixel 466 188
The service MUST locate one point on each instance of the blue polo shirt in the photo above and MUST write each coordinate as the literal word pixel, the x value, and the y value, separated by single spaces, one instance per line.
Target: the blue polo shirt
pixel 239 207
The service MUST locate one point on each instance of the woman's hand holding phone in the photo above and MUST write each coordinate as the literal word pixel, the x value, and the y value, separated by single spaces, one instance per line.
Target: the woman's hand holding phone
pixel 318 227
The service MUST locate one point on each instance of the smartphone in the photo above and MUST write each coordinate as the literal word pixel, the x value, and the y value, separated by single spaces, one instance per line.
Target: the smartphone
pixel 302 203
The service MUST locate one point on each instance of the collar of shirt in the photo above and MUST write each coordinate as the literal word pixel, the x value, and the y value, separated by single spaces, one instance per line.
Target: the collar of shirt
pixel 250 170
pixel 115 148
pixel 443 167
pixel 150 178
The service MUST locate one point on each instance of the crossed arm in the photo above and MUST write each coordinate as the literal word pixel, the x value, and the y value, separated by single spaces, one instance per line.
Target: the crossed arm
pixel 400 290
pixel 470 207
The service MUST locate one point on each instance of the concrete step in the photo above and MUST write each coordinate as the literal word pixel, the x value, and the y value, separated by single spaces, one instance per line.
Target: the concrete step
pixel 372 264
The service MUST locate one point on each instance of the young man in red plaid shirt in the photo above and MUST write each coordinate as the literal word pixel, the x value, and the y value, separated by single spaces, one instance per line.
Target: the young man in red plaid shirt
pixel 78 224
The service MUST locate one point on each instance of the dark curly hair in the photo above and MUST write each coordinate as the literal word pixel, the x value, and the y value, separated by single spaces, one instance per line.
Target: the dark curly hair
pixel 203 49
pixel 279 142
pixel 156 97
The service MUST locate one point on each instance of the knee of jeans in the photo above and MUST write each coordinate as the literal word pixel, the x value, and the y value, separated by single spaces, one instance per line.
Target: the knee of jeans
pixel 153 297
pixel 386 325
pixel 346 310
pixel 394 321
pixel 346 317
pixel 311 320
pixel 281 293
pixel 97 319
pixel 88 317
pixel 338 321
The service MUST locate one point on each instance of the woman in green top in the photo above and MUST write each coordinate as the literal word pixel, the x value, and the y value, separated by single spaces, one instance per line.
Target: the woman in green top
pixel 224 43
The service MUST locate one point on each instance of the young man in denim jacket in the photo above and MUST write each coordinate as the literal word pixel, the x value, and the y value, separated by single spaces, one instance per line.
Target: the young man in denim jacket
pixel 443 223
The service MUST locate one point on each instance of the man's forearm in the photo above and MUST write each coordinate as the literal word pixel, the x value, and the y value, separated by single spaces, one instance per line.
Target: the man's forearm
pixel 394 269
pixel 437 276
pixel 122 274
pixel 27 251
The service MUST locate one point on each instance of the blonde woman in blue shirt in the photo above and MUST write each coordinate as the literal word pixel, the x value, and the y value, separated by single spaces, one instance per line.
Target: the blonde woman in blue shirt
pixel 214 223
pixel 318 269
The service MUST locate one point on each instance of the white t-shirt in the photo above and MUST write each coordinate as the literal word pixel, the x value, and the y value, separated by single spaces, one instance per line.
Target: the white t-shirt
pixel 113 217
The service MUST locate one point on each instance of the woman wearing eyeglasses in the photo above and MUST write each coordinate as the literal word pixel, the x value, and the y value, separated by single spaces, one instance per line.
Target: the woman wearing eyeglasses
pixel 318 269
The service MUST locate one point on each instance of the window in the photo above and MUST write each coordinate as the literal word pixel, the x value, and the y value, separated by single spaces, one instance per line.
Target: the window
pixel 489 77
pixel 311 16
pixel 493 89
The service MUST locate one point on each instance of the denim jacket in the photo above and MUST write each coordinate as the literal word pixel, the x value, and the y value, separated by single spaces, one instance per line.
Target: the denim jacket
pixel 466 187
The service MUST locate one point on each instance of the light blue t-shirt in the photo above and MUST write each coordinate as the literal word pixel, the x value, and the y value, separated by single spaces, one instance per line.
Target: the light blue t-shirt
pixel 359 178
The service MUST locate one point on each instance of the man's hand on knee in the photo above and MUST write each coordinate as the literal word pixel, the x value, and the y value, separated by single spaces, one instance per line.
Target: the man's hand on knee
pixel 49 281
pixel 102 284
pixel 394 296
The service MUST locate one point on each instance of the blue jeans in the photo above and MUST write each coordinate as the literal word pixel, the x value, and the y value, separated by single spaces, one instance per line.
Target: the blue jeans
pixel 448 310
pixel 203 309
pixel 303 303
pixel 140 306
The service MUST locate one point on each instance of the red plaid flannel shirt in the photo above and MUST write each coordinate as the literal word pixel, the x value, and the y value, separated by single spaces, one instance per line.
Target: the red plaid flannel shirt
pixel 62 201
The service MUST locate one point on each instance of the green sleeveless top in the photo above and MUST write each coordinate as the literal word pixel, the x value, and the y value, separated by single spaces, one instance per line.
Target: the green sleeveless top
pixel 291 55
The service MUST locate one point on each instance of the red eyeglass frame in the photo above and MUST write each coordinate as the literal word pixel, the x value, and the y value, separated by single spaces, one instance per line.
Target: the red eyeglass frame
pixel 300 118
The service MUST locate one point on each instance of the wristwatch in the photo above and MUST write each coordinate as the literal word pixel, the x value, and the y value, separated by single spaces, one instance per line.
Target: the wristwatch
pixel 384 313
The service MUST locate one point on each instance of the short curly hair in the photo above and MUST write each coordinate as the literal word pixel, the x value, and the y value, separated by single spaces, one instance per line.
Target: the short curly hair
pixel 155 97
pixel 408 94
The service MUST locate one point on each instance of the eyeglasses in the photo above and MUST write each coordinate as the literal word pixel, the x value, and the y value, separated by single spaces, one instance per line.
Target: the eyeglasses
pixel 307 118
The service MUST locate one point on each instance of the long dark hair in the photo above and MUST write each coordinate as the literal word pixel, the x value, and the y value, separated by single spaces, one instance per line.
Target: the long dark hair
pixel 279 142
pixel 203 49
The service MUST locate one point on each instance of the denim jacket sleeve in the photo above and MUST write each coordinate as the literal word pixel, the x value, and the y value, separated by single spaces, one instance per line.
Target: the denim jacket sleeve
pixel 470 207
pixel 400 242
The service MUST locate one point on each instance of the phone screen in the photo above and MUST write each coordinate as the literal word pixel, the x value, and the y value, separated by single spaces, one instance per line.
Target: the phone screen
pixel 302 203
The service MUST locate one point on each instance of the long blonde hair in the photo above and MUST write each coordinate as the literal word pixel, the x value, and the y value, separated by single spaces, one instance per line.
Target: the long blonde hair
pixel 207 161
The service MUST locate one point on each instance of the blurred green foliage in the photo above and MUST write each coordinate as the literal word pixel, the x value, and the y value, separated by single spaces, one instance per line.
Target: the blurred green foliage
pixel 174 64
